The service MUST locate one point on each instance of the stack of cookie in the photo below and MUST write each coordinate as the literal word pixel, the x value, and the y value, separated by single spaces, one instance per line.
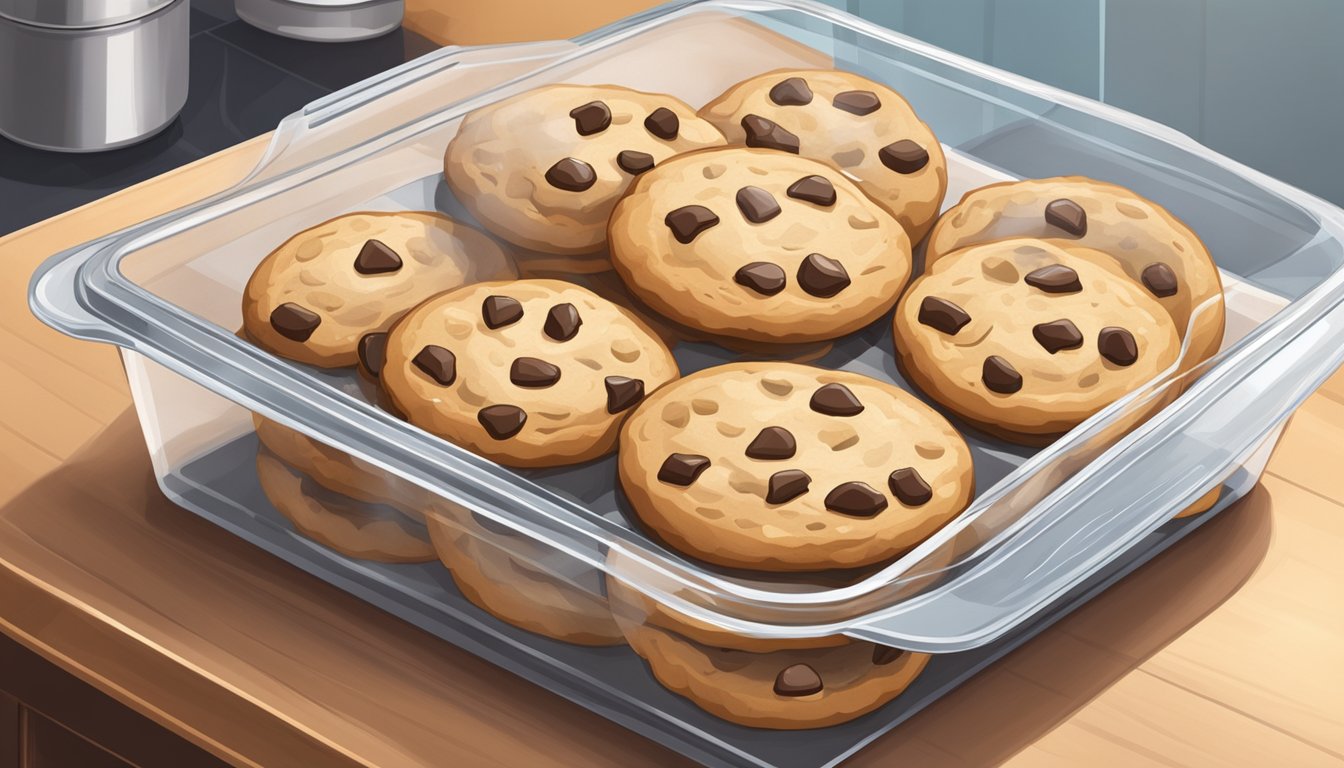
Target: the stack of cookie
pixel 326 297
pixel 779 217
pixel 1044 301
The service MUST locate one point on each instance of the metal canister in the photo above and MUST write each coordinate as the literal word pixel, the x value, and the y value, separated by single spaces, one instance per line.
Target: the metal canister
pixel 328 21
pixel 90 75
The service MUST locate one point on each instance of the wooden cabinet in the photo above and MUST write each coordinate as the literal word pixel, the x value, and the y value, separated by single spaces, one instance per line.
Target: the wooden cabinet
pixel 51 719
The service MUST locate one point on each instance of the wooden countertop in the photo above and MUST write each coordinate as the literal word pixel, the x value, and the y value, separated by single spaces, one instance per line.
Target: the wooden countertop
pixel 1228 649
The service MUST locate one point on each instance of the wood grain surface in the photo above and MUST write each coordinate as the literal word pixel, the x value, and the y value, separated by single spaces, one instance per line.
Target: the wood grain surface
pixel 1226 650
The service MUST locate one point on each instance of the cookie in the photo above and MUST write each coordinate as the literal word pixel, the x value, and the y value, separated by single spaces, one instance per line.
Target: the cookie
pixel 544 168
pixel 353 528
pixel 784 467
pixel 856 125
pixel 1026 339
pixel 785 689
pixel 316 296
pixel 609 285
pixel 1153 247
pixel 339 472
pixel 522 582
pixel 758 245
pixel 527 372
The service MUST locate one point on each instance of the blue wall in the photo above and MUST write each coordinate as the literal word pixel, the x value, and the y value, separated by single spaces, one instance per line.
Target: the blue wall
pixel 1259 80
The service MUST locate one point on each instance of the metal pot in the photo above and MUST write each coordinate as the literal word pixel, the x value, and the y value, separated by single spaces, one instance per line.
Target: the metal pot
pixel 89 75
pixel 327 21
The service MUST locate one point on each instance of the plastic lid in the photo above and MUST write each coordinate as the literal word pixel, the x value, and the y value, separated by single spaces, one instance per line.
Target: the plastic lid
pixel 79 14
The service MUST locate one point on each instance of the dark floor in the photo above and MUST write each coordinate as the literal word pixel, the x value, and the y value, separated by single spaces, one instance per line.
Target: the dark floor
pixel 243 81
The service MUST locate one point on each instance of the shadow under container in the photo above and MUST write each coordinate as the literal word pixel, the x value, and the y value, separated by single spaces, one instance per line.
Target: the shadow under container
pixel 1050 528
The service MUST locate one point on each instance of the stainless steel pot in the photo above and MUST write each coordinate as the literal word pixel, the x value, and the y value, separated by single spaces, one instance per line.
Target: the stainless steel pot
pixel 89 75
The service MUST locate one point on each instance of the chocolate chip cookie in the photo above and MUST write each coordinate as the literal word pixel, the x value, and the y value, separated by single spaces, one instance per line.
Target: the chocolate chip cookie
pixel 525 372
pixel 783 467
pixel 1152 246
pixel 339 472
pixel 758 245
pixel 1025 339
pixel 544 168
pixel 322 291
pixel 352 527
pixel 786 689
pixel 764 683
pixel 856 125
pixel 521 581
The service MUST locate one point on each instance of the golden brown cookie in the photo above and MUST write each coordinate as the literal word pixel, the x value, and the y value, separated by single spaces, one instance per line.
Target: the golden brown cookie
pixel 784 467
pixel 1026 339
pixel 758 245
pixel 856 125
pixel 316 296
pixel 1153 247
pixel 340 472
pixel 544 168
pixel 520 581
pixel 525 372
pixel 354 528
pixel 786 688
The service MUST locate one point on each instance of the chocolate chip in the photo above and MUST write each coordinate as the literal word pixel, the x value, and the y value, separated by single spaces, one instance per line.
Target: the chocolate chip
pixel 622 392
pixel 909 487
pixel 756 204
pixel 772 443
pixel 1117 345
pixel 682 468
pixel 885 654
pixel 1067 215
pixel 633 162
pixel 857 102
pixel 294 322
pixel 762 277
pixel 817 190
pixel 562 322
pixel 502 421
pixel 438 363
pixel 1055 278
pixel 571 175
pixel 856 499
pixel 1159 280
pixel 688 221
pixel 1000 375
pixel 792 92
pixel 787 485
pixel 1057 335
pixel 797 680
pixel 835 400
pixel 593 117
pixel 767 134
pixel 942 315
pixel 533 373
pixel 375 258
pixel 372 351
pixel 500 311
pixel 904 156
pixel 663 123
pixel 821 276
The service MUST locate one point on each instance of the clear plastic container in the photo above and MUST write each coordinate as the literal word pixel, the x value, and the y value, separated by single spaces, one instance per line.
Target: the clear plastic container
pixel 1050 528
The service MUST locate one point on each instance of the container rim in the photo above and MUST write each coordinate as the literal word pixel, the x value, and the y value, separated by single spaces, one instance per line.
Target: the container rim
pixel 100 303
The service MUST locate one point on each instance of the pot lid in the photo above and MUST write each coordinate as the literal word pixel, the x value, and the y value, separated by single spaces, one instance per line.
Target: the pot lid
pixel 79 14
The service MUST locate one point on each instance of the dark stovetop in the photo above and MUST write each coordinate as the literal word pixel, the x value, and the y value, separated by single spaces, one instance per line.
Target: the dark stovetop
pixel 243 81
